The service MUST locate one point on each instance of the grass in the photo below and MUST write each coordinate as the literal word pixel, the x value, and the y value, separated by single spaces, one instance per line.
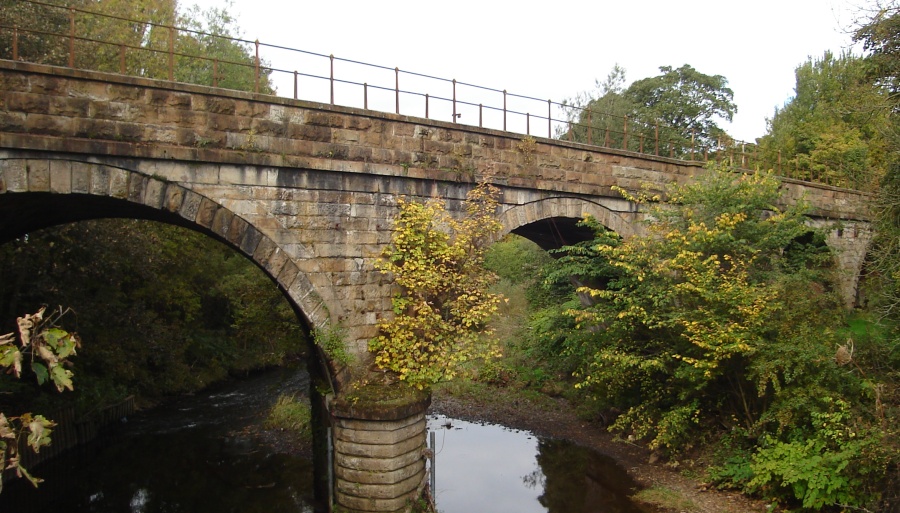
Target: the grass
pixel 665 498
pixel 290 414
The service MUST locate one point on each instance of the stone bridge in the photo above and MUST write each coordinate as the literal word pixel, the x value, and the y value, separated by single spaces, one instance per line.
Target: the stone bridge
pixel 308 192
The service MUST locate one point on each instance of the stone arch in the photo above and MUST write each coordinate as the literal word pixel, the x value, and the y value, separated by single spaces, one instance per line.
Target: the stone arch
pixel 566 208
pixel 850 241
pixel 82 189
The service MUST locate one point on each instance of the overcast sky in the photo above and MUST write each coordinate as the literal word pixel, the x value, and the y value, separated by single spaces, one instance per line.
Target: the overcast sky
pixel 557 49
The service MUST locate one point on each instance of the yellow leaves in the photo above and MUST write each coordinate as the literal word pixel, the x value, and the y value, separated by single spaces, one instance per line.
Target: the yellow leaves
pixel 444 307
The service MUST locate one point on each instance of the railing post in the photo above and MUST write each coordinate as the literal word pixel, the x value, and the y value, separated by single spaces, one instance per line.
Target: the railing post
pixel 590 127
pixel 480 116
pixel 397 88
pixel 625 136
pixel 16 43
pixel 215 73
pixel 527 123
pixel 426 108
pixel 549 119
pixel 331 77
pixel 641 144
pixel 693 133
pixel 71 37
pixel 295 84
pixel 121 59
pixel 779 163
pixel 171 54
pixel 656 136
pixel 366 95
pixel 504 110
pixel 256 68
pixel 454 101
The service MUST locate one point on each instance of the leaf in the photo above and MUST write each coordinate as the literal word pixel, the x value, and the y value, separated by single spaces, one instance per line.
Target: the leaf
pixel 46 354
pixel 62 378
pixel 39 429
pixel 6 430
pixel 40 371
pixel 21 472
pixel 10 356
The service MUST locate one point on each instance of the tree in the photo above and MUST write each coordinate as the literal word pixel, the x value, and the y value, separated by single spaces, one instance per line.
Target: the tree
pixel 687 101
pixel 832 130
pixel 881 39
pixel 167 310
pixel 443 306
pixel 723 322
pixel 43 349
pixel 675 112
pixel 141 28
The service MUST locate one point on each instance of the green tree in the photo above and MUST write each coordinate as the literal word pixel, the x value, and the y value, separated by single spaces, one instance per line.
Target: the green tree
pixel 688 105
pixel 205 45
pixel 167 310
pixel 832 130
pixel 682 105
pixel 881 40
pixel 442 310
pixel 723 322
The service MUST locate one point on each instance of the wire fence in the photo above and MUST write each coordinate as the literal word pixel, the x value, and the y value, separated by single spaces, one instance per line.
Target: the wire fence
pixel 84 39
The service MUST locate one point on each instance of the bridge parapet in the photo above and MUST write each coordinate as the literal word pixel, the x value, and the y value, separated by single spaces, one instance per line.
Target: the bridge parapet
pixel 60 109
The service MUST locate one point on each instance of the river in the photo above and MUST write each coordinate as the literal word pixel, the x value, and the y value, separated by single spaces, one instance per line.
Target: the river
pixel 198 454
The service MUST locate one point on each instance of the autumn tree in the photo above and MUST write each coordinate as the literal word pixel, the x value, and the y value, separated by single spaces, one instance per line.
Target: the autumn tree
pixel 443 305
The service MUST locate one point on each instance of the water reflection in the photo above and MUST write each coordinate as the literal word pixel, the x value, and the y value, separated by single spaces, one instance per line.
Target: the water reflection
pixel 483 467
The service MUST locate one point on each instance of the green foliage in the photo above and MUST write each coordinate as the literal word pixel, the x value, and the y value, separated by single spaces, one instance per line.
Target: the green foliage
pixel 210 36
pixel 724 319
pixel 46 349
pixel 833 128
pixel 331 339
pixel 291 414
pixel 516 259
pixel 443 307
pixel 683 104
pixel 167 310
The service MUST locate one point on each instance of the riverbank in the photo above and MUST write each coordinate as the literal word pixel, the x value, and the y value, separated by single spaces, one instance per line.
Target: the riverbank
pixel 671 488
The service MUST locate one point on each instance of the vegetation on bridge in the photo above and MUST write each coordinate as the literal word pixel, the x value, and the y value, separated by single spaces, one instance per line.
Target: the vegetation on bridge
pixel 443 306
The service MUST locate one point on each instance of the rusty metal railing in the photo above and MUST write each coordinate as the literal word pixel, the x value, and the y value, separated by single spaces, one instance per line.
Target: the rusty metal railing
pixel 86 39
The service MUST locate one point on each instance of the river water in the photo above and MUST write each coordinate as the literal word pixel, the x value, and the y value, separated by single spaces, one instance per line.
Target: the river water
pixel 194 456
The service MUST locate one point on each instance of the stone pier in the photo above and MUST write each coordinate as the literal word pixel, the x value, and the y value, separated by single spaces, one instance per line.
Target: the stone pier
pixel 379 450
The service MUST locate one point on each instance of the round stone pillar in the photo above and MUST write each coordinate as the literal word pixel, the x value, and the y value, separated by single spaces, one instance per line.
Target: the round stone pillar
pixel 379 448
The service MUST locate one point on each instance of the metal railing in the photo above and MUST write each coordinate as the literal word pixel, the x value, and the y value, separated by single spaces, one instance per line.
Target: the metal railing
pixel 164 51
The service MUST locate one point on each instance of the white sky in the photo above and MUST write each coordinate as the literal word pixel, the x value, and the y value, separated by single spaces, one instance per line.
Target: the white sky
pixel 558 49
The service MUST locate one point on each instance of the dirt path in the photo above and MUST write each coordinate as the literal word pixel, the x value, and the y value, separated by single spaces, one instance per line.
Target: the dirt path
pixel 554 418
